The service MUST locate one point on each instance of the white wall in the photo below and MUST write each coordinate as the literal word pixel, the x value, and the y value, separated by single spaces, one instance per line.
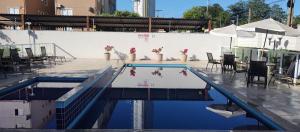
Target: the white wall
pixel 91 44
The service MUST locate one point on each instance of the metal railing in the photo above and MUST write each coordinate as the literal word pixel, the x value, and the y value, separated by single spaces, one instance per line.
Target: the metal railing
pixel 52 49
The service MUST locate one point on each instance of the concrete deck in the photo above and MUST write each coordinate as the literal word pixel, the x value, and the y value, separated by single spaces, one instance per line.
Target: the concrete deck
pixel 278 101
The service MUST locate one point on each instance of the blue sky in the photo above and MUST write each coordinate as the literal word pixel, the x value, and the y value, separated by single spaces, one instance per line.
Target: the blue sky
pixel 175 8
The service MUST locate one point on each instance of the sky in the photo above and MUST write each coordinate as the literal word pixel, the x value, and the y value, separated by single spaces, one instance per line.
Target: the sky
pixel 176 8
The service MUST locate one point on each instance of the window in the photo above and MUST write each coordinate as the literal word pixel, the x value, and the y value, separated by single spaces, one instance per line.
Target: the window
pixel 14 11
pixel 45 2
pixel 66 12
pixel 16 112
pixel 19 112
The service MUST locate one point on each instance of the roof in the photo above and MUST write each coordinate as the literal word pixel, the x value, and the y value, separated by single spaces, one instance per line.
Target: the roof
pixel 270 25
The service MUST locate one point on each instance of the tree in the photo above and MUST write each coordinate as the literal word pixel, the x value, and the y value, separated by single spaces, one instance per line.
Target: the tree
pixel 216 13
pixel 125 14
pixel 196 12
pixel 218 16
pixel 278 14
pixel 121 14
pixel 297 19
pixel 259 9
pixel 224 18
pixel 239 10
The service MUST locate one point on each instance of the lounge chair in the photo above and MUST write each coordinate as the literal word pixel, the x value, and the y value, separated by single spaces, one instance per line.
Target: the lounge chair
pixel 257 69
pixel 34 59
pixel 51 58
pixel 21 63
pixel 287 75
pixel 12 62
pixel 2 67
pixel 212 61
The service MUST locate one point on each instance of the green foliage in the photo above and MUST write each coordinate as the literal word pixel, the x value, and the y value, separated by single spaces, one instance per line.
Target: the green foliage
pixel 278 14
pixel 196 12
pixel 297 19
pixel 121 14
pixel 125 14
pixel 106 14
pixel 260 10
pixel 239 9
pixel 216 13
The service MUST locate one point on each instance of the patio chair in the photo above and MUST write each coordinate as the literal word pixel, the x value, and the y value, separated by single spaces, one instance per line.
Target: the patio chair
pixel 34 59
pixel 51 58
pixel 287 74
pixel 12 62
pixel 228 62
pixel 6 60
pixel 257 69
pixel 1 53
pixel 2 68
pixel 21 63
pixel 212 61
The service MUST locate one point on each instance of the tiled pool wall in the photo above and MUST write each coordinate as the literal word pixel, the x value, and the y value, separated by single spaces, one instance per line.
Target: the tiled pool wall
pixel 68 112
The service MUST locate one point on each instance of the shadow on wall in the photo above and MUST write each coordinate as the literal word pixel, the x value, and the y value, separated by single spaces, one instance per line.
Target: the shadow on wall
pixel 4 38
pixel 286 44
pixel 121 56
pixel 33 35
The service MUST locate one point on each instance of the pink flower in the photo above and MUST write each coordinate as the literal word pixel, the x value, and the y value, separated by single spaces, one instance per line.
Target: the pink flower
pixel 132 51
pixel 184 51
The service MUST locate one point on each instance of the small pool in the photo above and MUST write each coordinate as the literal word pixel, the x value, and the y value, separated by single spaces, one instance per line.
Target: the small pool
pixel 136 96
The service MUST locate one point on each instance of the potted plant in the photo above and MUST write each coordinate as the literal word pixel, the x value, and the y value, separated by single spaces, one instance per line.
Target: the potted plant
pixel 108 48
pixel 184 55
pixel 132 54
pixel 158 53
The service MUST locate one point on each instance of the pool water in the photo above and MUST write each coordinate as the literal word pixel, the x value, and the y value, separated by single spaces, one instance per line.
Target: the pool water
pixel 32 106
pixel 165 98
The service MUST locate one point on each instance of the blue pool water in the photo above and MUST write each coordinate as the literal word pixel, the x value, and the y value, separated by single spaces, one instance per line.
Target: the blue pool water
pixel 151 99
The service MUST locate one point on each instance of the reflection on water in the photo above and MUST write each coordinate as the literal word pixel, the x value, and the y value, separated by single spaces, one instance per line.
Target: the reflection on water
pixel 26 114
pixel 164 98
pixel 30 107
pixel 158 77
pixel 166 109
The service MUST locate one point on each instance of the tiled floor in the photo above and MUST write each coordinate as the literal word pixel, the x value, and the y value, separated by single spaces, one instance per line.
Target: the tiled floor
pixel 281 101
pixel 278 101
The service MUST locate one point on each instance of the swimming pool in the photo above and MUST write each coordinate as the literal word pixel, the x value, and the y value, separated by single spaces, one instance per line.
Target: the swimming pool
pixel 160 96
pixel 152 96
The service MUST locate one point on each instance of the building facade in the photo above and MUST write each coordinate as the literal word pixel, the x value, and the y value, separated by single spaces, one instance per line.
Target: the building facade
pixel 84 7
pixel 35 7
pixel 106 6
pixel 145 8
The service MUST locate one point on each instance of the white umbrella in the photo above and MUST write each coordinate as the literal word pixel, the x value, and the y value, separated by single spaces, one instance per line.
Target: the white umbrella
pixel 232 32
pixel 269 26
